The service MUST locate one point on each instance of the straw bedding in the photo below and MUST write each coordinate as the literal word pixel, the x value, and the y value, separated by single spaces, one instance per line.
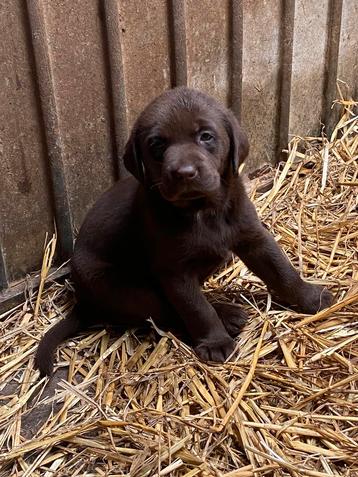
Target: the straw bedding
pixel 139 405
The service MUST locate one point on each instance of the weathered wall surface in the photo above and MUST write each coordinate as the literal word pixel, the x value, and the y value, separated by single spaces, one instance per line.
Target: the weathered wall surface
pixel 74 74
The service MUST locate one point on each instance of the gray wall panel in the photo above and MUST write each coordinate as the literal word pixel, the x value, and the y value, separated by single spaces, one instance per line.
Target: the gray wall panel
pixel 348 46
pixel 25 194
pixel 145 38
pixel 308 66
pixel 75 40
pixel 208 46
pixel 261 62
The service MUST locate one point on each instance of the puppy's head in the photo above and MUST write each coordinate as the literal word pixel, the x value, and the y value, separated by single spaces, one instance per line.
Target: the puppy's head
pixel 186 145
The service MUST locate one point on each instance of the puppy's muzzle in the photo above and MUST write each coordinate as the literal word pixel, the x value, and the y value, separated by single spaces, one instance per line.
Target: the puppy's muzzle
pixel 187 173
pixel 184 173
pixel 182 180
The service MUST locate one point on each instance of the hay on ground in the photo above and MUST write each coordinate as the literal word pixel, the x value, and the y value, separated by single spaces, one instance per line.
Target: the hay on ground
pixel 285 405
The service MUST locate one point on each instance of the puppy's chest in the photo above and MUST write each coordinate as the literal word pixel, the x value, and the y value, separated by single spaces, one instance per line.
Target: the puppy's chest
pixel 209 239
pixel 200 244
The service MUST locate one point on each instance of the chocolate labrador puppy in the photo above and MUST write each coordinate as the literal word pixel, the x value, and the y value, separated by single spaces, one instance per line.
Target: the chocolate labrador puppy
pixel 149 242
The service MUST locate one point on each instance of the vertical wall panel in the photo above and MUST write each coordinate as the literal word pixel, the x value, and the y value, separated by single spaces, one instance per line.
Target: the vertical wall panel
pixel 25 196
pixel 75 37
pixel 49 107
pixel 309 49
pixel 208 46
pixel 146 52
pixel 236 36
pixel 118 91
pixel 285 77
pixel 348 47
pixel 329 117
pixel 261 53
pixel 178 30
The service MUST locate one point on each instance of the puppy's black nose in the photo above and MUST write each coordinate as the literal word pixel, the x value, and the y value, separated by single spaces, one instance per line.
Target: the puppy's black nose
pixel 186 172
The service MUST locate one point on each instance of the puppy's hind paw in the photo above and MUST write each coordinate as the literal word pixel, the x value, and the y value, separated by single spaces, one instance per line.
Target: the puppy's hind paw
pixel 216 350
pixel 233 316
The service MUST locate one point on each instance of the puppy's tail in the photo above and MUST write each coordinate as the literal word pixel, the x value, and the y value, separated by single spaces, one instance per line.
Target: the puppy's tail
pixel 55 335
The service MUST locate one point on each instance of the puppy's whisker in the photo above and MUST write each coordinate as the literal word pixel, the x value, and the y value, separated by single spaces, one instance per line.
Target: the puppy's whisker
pixel 155 184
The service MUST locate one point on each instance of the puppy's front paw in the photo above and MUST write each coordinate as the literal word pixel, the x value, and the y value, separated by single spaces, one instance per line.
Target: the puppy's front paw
pixel 314 298
pixel 215 349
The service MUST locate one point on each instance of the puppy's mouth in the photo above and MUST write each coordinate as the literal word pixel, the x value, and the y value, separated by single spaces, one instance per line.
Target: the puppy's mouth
pixel 181 198
pixel 193 195
pixel 195 203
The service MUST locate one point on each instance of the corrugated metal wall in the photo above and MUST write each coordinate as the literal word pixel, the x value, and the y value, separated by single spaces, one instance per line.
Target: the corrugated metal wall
pixel 74 75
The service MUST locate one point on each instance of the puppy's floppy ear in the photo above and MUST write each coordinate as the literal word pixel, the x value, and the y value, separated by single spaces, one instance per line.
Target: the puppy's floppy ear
pixel 132 157
pixel 239 144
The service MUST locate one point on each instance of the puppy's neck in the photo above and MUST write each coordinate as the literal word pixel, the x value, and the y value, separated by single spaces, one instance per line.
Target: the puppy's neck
pixel 222 204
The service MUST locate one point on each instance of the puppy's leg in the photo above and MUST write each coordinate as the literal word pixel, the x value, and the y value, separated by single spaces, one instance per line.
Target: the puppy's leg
pixel 104 300
pixel 210 338
pixel 260 252
pixel 233 316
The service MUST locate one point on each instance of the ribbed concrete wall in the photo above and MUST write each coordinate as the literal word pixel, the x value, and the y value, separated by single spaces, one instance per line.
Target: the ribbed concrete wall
pixel 74 74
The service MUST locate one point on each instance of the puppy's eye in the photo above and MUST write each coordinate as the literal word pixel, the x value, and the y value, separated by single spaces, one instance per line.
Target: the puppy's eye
pixel 157 146
pixel 157 143
pixel 206 137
